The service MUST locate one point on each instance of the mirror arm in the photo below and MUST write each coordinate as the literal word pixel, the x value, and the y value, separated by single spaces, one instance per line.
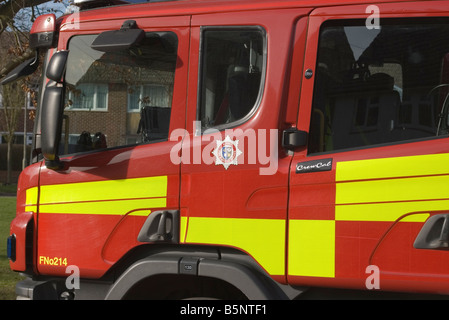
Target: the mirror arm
pixel 56 165
pixel 24 69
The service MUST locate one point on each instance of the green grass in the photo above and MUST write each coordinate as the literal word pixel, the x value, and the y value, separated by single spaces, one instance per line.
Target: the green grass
pixel 8 278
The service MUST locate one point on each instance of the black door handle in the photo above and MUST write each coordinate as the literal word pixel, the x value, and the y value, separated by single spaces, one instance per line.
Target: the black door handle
pixel 434 234
pixel 161 226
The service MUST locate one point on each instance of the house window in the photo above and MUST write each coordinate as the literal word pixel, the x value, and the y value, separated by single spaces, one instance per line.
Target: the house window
pixel 88 96
pixel 148 95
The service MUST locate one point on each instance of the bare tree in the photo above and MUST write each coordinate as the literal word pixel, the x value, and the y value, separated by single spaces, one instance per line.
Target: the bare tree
pixel 13 98
pixel 15 23
pixel 16 17
pixel 10 8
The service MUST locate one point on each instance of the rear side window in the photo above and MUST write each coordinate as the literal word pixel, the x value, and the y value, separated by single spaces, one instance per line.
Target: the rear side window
pixel 377 86
pixel 231 80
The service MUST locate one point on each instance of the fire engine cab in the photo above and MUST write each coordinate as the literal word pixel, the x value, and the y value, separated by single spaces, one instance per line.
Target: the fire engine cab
pixel 237 149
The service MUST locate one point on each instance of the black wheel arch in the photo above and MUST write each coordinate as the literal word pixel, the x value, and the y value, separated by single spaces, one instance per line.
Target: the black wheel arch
pixel 226 265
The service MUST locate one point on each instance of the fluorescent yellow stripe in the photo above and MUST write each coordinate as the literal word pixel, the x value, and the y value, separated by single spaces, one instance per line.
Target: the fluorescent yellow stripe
pixel 312 248
pixel 387 211
pixel 121 207
pixel 111 197
pixel 423 188
pixel 263 239
pixel 393 167
pixel 31 208
pixel 151 187
pixel 31 196
pixel 183 228
pixel 420 217
pixel 140 213
pixel 404 186
pixel 369 190
pixel 31 199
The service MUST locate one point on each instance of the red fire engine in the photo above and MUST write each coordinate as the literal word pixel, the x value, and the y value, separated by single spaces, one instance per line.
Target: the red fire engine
pixel 237 149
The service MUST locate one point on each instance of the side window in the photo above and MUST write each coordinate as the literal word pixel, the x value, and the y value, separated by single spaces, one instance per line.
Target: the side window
pixel 118 98
pixel 233 65
pixel 377 86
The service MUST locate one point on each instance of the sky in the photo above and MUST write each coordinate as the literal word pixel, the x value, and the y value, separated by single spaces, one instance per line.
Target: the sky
pixel 23 17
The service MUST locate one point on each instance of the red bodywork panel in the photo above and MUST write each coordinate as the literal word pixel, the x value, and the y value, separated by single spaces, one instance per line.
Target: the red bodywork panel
pixel 26 217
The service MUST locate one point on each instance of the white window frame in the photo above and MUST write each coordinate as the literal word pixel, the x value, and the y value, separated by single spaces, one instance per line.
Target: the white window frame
pixel 141 95
pixel 95 107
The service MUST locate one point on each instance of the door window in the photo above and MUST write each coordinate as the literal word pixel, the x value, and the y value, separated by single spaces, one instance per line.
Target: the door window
pixel 378 86
pixel 118 98
pixel 233 64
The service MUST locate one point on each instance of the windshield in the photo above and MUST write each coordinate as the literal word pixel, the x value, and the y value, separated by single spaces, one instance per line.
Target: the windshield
pixel 118 98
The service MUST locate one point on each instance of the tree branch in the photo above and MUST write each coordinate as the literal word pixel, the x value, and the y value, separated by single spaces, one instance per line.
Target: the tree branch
pixel 15 61
pixel 8 9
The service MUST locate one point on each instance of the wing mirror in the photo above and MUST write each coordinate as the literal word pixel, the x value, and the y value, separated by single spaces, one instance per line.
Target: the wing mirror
pixel 22 70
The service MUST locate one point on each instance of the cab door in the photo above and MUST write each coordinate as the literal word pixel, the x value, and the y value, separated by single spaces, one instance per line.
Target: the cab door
pixel 120 109
pixel 234 173
pixel 365 189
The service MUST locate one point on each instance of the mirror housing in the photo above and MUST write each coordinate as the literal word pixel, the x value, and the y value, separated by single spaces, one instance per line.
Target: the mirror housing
pixel 42 34
pixel 52 110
